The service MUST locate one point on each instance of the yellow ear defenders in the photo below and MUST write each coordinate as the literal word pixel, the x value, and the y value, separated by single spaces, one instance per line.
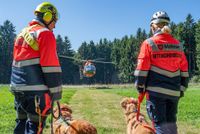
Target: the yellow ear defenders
pixel 47 12
pixel 47 17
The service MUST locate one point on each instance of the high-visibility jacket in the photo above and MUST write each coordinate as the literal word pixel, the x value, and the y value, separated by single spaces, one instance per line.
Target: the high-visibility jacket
pixel 36 65
pixel 162 66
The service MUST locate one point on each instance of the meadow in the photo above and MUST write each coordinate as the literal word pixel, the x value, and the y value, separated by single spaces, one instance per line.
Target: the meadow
pixel 100 105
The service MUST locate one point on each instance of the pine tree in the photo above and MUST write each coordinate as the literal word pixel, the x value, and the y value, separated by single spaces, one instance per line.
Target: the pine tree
pixel 7 35
pixel 104 71
pixel 189 31
pixel 185 33
pixel 197 39
pixel 69 69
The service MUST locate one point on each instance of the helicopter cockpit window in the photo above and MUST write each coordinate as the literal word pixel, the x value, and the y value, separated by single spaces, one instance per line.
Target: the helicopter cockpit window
pixel 89 70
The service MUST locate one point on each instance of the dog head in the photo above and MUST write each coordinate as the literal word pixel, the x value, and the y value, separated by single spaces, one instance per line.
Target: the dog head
pixel 134 126
pixel 65 110
pixel 129 104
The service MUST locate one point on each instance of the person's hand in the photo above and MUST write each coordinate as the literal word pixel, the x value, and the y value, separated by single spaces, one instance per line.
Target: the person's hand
pixel 140 88
pixel 182 94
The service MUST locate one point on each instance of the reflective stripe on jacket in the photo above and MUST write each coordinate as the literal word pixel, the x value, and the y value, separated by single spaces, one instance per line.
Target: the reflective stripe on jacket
pixel 35 70
pixel 162 66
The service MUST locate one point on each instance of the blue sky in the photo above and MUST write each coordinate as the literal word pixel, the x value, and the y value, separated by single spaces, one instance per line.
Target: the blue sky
pixel 85 20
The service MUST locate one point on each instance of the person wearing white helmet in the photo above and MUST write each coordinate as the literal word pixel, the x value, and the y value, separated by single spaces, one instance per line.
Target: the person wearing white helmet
pixel 162 74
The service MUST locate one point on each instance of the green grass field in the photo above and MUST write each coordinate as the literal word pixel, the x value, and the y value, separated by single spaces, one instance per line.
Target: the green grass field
pixel 101 107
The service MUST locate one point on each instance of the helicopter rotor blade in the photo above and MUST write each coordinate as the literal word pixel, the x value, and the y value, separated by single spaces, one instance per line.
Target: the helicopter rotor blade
pixel 68 57
pixel 95 61
pixel 104 62
pixel 99 59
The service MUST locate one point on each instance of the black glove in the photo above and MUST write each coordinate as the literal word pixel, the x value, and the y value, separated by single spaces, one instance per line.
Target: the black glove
pixel 140 89
pixel 182 94
pixel 55 95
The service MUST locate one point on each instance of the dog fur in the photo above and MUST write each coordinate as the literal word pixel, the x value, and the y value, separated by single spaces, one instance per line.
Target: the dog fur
pixel 134 126
pixel 74 126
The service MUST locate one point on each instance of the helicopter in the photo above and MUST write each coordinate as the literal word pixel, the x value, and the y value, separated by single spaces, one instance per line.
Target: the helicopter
pixel 88 69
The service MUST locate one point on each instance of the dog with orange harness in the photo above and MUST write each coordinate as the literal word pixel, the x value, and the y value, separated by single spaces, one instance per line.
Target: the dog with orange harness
pixel 66 125
pixel 136 123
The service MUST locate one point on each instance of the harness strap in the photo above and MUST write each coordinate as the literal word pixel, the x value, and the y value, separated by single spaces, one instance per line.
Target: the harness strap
pixel 149 127
pixel 29 37
pixel 38 111
pixel 140 99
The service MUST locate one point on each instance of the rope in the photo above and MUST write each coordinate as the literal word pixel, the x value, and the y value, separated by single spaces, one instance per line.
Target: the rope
pixel 38 111
pixel 52 113
pixel 51 123
pixel 60 114
pixel 59 110
pixel 59 117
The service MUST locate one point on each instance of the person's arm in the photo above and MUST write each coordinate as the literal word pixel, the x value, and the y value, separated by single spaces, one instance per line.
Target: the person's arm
pixel 50 64
pixel 143 66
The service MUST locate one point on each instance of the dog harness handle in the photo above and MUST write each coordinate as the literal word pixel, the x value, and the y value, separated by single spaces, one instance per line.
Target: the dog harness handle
pixel 59 110
pixel 140 99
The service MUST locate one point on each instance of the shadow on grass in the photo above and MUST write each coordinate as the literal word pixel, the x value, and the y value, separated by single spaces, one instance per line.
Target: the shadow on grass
pixel 104 87
pixel 103 130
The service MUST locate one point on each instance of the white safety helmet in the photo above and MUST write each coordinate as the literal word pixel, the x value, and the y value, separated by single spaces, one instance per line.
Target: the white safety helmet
pixel 160 17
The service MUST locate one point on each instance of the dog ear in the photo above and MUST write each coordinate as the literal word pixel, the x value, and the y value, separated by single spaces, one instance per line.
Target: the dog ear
pixel 124 102
pixel 65 107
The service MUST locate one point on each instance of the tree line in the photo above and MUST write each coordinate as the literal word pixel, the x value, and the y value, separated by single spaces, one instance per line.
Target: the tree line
pixel 121 52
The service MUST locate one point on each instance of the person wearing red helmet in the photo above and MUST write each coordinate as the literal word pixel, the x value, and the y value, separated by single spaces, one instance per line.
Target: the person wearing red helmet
pixel 162 73
pixel 36 72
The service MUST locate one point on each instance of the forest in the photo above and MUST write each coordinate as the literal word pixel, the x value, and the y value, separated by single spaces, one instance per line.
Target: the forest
pixel 121 52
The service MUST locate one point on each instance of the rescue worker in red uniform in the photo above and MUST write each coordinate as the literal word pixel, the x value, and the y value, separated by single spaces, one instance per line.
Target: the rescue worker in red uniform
pixel 36 72
pixel 162 72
